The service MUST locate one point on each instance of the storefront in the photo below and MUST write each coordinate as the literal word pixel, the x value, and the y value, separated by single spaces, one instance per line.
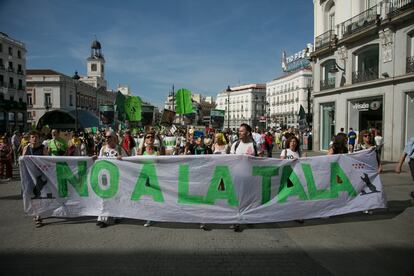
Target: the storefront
pixel 327 124
pixel 366 113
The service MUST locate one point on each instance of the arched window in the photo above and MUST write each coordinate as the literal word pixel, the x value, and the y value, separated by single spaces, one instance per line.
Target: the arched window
pixel 410 52
pixel 366 64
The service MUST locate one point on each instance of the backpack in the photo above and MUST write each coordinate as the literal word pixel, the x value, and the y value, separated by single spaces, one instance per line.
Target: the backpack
pixel 254 146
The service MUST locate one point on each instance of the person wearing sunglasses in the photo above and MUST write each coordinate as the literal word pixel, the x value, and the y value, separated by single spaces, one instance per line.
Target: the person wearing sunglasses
pixel 111 149
pixel 149 149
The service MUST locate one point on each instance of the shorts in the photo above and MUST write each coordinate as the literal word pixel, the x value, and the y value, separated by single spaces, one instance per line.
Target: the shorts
pixel 411 165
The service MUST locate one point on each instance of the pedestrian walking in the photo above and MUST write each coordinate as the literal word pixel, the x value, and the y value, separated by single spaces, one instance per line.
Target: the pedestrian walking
pixel 6 159
pixel 407 152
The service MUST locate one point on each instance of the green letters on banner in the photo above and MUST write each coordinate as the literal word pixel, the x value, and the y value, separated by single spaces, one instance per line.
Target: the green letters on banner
pixel 313 192
pixel 340 182
pixel 147 184
pixel 64 174
pixel 113 172
pixel 221 173
pixel 266 172
pixel 183 187
pixel 295 189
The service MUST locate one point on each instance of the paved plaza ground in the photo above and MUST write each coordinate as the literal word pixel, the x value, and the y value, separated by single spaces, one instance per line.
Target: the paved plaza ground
pixel 354 244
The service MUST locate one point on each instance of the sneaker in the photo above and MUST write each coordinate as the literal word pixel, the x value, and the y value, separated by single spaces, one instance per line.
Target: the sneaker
pixel 103 225
pixel 236 227
pixel 147 224
pixel 99 223
pixel 204 227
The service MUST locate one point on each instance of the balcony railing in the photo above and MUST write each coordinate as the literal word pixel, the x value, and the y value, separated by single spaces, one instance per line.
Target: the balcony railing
pixel 359 22
pixel 367 75
pixel 327 84
pixel 410 65
pixel 324 39
pixel 397 6
pixel 12 85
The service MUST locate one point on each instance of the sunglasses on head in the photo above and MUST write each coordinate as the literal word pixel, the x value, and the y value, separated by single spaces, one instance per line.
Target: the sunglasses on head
pixel 366 135
pixel 149 136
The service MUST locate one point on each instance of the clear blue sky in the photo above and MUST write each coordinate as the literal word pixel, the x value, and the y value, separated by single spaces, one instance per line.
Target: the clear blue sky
pixel 202 45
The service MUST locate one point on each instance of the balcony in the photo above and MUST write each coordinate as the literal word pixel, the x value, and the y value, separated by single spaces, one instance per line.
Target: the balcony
pixel 324 39
pixel 366 75
pixel 20 72
pixel 327 84
pixel 10 69
pixel 12 85
pixel 398 6
pixel 359 22
pixel 410 65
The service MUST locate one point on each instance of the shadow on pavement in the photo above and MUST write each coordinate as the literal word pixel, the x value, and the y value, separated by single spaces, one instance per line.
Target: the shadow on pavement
pixel 213 262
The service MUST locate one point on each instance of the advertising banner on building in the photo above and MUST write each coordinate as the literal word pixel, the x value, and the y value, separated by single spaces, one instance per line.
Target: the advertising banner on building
pixel 106 115
pixel 204 188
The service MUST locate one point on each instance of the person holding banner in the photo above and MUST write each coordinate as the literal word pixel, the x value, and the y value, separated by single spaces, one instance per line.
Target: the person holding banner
pixel 35 148
pixel 292 150
pixel 245 145
pixel 57 146
pixel 111 149
pixel 150 149
pixel 220 145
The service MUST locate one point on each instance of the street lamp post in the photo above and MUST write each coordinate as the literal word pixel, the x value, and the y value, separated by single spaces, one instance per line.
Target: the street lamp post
pixel 76 78
pixel 228 90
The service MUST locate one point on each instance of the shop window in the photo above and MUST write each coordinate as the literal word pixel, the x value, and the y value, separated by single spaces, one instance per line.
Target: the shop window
pixel 327 122
pixel 366 64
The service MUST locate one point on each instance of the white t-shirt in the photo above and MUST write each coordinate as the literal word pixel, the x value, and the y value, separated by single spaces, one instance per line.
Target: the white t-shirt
pixel 379 141
pixel 290 154
pixel 112 152
pixel 220 149
pixel 244 148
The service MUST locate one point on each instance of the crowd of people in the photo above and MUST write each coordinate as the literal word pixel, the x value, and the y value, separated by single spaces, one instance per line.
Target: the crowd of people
pixel 187 141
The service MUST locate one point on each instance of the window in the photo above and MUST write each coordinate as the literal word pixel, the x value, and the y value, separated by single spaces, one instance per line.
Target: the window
pixel 329 17
pixel 93 67
pixel 71 100
pixel 366 63
pixel 10 66
pixel 1 80
pixel 10 51
pixel 48 100
pixel 11 98
pixel 20 84
pixel 1 47
pixel 19 54
pixel 102 68
pixel 327 74
pixel 11 82
pixel 19 68
pixel 29 99
pixel 1 63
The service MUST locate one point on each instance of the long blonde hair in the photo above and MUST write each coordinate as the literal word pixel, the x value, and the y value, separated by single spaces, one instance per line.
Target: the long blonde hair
pixel 220 139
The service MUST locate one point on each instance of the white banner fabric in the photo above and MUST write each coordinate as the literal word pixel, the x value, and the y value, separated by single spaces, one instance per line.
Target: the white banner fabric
pixel 202 189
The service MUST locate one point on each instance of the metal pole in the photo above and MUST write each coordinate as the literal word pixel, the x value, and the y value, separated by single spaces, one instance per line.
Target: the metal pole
pixel 76 107
pixel 228 90
pixel 309 106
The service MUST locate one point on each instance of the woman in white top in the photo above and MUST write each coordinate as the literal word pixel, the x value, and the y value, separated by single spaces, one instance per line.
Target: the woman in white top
pixel 292 150
pixel 220 145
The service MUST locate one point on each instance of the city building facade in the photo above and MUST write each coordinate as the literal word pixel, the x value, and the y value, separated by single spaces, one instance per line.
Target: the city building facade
pixel 286 94
pixel 363 70
pixel 244 104
pixel 13 109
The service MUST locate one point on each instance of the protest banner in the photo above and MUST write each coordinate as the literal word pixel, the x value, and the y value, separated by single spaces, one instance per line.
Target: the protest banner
pixel 169 142
pixel 205 188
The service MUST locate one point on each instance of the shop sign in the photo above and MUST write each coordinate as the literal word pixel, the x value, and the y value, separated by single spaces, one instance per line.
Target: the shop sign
pixel 365 106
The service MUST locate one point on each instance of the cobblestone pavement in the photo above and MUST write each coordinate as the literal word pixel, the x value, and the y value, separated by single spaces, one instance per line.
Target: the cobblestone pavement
pixel 377 244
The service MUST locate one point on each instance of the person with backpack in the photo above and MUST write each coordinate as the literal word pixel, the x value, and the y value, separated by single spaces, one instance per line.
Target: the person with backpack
pixel 246 144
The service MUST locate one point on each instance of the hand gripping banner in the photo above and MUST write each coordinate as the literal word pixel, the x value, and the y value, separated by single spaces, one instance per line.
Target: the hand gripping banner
pixel 202 189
